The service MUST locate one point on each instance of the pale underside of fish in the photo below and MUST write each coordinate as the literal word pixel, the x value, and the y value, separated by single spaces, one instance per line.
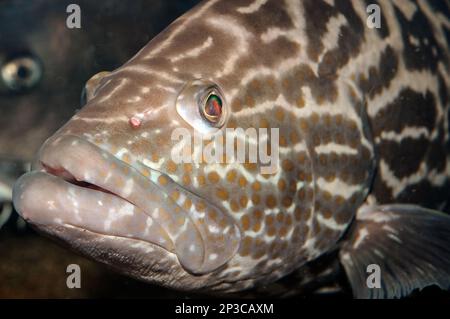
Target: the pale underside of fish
pixel 363 161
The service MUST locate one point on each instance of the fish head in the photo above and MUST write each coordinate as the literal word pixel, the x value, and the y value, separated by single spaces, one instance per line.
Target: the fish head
pixel 115 184
pixel 109 175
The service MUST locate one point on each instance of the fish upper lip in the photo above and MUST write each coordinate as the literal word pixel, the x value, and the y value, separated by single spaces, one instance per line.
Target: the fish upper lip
pixel 79 171
pixel 70 178
pixel 60 167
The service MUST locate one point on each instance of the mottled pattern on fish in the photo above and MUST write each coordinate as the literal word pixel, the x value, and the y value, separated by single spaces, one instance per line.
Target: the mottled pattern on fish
pixel 363 117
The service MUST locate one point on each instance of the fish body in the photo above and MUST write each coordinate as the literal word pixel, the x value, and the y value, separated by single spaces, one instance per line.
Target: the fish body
pixel 361 159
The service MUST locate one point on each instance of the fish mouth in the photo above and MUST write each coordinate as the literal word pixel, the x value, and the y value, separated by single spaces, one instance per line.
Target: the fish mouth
pixel 75 183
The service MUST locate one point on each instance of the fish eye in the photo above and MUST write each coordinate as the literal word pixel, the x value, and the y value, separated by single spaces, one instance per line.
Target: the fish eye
pixel 21 73
pixel 202 104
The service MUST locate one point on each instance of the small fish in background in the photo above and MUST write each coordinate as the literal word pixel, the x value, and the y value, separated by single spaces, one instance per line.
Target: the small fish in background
pixel 19 73
pixel 363 171
pixel 43 68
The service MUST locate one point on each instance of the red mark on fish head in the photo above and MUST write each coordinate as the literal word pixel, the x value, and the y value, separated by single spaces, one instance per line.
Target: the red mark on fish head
pixel 135 122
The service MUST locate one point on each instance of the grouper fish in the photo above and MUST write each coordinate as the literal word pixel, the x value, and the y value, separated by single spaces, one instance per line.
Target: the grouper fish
pixel 360 118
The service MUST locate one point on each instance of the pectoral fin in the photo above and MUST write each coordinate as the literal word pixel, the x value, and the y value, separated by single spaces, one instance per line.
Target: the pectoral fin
pixel 409 244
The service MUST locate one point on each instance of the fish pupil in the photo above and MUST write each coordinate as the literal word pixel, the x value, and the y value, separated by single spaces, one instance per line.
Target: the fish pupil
pixel 23 72
pixel 213 108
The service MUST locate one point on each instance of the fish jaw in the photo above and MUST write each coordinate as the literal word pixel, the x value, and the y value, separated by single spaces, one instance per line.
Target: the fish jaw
pixel 77 185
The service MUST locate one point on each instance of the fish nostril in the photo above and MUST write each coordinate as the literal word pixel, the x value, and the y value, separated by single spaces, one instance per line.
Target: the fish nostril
pixel 83 97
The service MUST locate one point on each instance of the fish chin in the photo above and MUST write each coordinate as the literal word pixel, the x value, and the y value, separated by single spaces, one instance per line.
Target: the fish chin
pixel 135 258
pixel 77 185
